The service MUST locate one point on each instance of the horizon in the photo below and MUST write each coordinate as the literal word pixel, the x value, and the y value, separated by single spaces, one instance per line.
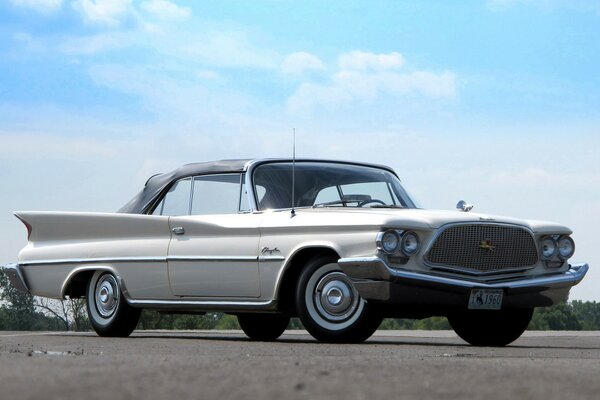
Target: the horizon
pixel 494 102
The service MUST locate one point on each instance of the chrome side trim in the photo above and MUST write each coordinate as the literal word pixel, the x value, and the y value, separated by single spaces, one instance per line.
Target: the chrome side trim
pixel 94 260
pixel 201 304
pixel 208 305
pixel 212 258
pixel 375 268
pixel 13 271
pixel 271 258
pixel 151 259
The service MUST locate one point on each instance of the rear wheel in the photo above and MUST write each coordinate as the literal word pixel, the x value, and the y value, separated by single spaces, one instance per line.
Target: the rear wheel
pixel 263 327
pixel 108 312
pixel 490 327
pixel 329 305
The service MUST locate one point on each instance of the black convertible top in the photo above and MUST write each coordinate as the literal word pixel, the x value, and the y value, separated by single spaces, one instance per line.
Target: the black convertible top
pixel 158 183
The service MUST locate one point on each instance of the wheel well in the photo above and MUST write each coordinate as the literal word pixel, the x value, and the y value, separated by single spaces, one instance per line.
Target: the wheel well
pixel 78 284
pixel 287 288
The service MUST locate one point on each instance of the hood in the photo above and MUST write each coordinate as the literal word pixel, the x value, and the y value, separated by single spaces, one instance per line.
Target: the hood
pixel 434 219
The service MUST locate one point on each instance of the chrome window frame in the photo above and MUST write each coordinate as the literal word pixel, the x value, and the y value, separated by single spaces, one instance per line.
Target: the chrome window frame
pixel 243 180
pixel 253 164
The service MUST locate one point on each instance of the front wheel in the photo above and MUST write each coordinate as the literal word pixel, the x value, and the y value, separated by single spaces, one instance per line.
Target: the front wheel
pixel 108 312
pixel 329 305
pixel 263 327
pixel 490 327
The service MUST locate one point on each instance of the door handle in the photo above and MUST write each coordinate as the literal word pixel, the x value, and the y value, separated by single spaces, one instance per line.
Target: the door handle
pixel 178 230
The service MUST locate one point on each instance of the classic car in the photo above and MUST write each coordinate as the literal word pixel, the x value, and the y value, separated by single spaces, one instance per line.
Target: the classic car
pixel 341 245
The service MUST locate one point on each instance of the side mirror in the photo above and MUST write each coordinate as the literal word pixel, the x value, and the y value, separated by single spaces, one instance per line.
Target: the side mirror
pixel 464 206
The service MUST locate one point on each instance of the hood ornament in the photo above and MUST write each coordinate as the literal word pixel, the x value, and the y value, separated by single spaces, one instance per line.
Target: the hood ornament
pixel 464 206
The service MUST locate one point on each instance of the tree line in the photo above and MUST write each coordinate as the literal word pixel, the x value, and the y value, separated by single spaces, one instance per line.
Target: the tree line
pixel 24 312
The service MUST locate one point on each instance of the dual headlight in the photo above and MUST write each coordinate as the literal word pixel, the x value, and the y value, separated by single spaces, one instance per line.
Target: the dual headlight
pixel 562 247
pixel 394 241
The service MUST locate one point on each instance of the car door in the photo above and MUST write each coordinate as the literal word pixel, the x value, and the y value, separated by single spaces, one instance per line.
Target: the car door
pixel 214 248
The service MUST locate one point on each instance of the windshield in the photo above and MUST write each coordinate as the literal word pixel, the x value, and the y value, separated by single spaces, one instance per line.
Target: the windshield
pixel 321 184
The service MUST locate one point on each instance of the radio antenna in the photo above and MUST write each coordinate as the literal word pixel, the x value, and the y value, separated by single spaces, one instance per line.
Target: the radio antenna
pixel 293 170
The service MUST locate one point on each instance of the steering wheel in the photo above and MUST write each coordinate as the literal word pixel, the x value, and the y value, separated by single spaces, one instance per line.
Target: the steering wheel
pixel 365 202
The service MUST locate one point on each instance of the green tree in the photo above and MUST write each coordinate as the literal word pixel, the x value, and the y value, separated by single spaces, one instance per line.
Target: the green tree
pixel 18 308
pixel 587 313
pixel 557 318
pixel 227 322
pixel 151 319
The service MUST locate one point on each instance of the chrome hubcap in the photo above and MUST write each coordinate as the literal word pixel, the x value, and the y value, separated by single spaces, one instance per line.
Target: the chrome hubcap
pixel 335 297
pixel 106 295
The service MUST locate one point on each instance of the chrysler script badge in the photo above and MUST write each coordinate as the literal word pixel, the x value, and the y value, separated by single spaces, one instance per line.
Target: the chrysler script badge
pixel 267 250
pixel 487 245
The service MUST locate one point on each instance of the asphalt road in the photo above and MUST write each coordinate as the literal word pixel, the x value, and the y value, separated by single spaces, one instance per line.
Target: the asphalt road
pixel 224 365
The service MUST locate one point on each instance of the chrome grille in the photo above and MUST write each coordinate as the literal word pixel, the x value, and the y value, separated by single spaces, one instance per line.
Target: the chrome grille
pixel 483 248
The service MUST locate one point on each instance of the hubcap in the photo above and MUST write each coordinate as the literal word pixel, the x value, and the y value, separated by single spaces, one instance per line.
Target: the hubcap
pixel 335 297
pixel 106 295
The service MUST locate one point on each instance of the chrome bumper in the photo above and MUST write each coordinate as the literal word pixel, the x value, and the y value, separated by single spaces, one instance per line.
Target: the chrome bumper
pixel 16 277
pixel 375 280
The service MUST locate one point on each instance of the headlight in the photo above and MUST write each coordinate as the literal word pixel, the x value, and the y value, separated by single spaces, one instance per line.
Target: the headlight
pixel 566 247
pixel 389 241
pixel 548 248
pixel 410 243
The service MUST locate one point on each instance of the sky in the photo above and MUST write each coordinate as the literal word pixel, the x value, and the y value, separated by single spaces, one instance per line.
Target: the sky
pixel 496 102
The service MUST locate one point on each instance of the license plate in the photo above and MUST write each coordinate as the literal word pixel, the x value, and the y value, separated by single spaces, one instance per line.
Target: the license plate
pixel 485 299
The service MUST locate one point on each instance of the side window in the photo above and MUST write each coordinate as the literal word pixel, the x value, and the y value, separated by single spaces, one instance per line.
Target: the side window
pixel 216 194
pixel 177 199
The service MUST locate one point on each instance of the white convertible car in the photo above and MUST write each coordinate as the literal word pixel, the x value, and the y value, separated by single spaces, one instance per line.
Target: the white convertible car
pixel 341 245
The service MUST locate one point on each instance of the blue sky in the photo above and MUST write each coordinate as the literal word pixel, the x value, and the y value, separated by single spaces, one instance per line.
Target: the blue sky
pixel 494 101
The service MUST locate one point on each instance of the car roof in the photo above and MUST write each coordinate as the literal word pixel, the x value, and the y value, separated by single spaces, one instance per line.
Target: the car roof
pixel 158 183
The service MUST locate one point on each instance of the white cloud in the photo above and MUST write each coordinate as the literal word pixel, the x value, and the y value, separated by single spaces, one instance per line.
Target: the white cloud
pixel 163 9
pixel 99 43
pixel 149 24
pixel 42 6
pixel 361 60
pixel 190 101
pixel 300 62
pixel 225 49
pixel 363 77
pixel 104 12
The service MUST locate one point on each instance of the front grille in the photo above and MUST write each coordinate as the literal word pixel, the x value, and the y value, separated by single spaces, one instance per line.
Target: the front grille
pixel 483 249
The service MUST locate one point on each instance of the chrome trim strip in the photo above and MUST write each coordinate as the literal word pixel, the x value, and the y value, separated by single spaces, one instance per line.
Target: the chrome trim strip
pixel 271 258
pixel 13 271
pixel 198 304
pixel 94 260
pixel 249 190
pixel 449 268
pixel 212 258
pixel 151 259
pixel 375 268
pixel 194 304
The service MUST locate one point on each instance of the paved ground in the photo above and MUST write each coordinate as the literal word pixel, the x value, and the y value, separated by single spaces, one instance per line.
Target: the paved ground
pixel 224 365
